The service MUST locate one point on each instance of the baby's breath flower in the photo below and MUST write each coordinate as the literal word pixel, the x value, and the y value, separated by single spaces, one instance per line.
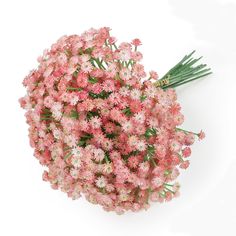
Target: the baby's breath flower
pixel 102 129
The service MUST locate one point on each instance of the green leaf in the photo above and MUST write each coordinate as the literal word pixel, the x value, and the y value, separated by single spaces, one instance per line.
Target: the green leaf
pixel 167 172
pixel 92 80
pixel 75 74
pixel 150 154
pixel 127 111
pixel 102 95
pixel 107 157
pixel 111 135
pixel 151 149
pixel 83 139
pixel 74 114
pixel 91 114
pixel 150 132
pixel 81 143
pixel 143 97
pixel 146 158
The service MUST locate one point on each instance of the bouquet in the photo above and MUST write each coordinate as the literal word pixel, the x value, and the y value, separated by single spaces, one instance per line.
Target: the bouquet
pixel 103 127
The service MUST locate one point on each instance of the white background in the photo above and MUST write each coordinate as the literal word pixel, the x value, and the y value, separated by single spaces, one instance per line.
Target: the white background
pixel 168 30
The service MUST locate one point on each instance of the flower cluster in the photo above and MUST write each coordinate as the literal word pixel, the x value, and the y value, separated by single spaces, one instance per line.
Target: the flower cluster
pixel 102 127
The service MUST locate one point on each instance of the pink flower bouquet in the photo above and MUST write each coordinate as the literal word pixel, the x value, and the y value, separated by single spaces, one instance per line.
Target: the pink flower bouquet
pixel 103 127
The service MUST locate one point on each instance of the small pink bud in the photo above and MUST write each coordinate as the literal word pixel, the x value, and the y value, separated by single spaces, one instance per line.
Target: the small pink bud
pixel 136 42
pixel 201 135
pixel 186 152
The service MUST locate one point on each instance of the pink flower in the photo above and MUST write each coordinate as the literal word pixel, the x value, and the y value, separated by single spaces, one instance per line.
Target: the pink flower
pixel 141 146
pixel 184 165
pixel 125 74
pixel 160 150
pixel 95 122
pixel 115 98
pixel 157 182
pixel 153 75
pixel 86 67
pixel 144 167
pixel 108 85
pixel 115 114
pixel 133 140
pixel 112 40
pixel 175 146
pixel 135 94
pixel 138 71
pixel 186 151
pixel 73 98
pixel 127 126
pixel 98 154
pixel 133 161
pixel 76 162
pixel 137 56
pixel 48 102
pixel 74 173
pixel 190 138
pixel 136 42
pixel 136 106
pixel 48 71
pixel 82 79
pixel 111 70
pixel 107 144
pixel 201 135
pixel 110 127
pixel 139 117
pixel 84 58
pixel 62 59
pixel 124 55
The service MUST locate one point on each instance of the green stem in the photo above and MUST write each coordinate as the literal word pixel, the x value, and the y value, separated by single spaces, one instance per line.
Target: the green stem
pixel 180 157
pixel 149 190
pixel 169 190
pixel 186 131
pixel 46 118
pixel 47 115
pixel 106 159
pixel 162 194
pixel 74 89
pixel 183 72
pixel 178 84
pixel 100 65
pixel 67 155
pixel 153 161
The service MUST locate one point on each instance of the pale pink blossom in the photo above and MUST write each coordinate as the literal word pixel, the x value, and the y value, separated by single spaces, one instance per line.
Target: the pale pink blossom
pixel 125 74
pixel 139 117
pixel 95 122
pixel 153 75
pixel 101 182
pixel 135 94
pixel 99 154
pixel 86 67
